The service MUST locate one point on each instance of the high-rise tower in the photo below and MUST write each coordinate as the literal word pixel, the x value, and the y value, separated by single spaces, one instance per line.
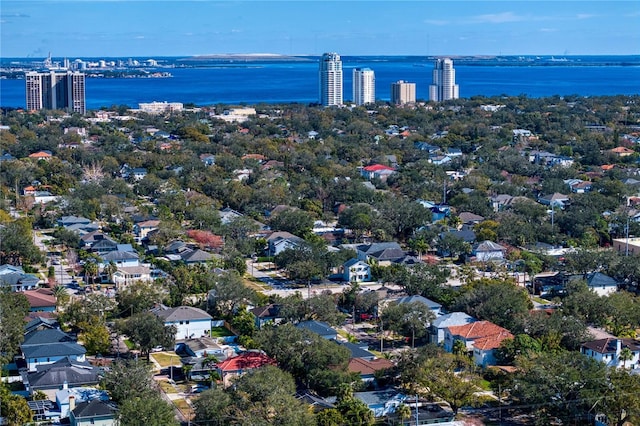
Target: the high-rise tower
pixel 444 85
pixel 403 92
pixel 53 90
pixel 330 79
pixel 364 86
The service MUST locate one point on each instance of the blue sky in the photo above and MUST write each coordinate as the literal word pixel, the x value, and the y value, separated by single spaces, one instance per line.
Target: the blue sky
pixel 92 28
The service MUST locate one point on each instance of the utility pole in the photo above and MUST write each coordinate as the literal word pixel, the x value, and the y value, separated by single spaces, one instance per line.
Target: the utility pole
pixel 626 245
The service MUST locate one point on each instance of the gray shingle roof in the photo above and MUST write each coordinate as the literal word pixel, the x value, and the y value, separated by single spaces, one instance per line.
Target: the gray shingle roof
pixel 182 313
pixel 94 408
pixel 73 373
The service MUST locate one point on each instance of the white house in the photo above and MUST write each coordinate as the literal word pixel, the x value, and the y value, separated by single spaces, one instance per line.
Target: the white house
pixel 611 350
pixel 126 275
pixel 481 337
pixel 438 326
pixel 281 241
pixel 356 271
pixel 142 229
pixel 190 322
pixel 488 251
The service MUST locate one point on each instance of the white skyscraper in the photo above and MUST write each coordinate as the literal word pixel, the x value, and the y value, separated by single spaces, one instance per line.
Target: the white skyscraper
pixel 330 79
pixel 444 85
pixel 364 86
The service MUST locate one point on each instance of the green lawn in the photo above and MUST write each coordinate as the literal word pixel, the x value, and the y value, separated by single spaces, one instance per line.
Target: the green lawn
pixel 540 300
pixel 166 359
pixel 220 332
pixel 129 344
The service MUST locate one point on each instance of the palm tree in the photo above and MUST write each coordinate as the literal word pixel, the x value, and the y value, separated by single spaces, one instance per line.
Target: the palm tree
pixel 90 270
pixel 61 295
pixel 625 355
pixel 404 412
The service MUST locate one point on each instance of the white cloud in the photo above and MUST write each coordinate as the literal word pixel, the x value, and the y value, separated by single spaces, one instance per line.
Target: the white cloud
pixel 498 18
pixel 548 30
pixel 585 16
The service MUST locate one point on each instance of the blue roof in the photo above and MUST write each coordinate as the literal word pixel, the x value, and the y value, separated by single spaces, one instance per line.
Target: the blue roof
pixel 317 327
pixel 420 299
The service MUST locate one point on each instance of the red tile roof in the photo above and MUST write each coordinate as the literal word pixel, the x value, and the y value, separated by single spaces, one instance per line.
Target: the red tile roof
pixel 377 168
pixel 477 330
pixel 245 361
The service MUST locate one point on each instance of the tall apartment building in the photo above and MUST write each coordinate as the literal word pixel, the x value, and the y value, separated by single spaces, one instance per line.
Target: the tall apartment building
pixel 403 92
pixel 56 90
pixel 330 79
pixel 444 85
pixel 364 86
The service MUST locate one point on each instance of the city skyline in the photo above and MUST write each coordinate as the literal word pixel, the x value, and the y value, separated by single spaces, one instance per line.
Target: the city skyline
pixel 429 28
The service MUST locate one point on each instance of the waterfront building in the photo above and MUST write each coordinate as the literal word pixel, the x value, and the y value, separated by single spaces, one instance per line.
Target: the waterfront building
pixel 56 90
pixel 364 86
pixel 403 92
pixel 160 107
pixel 330 80
pixel 444 85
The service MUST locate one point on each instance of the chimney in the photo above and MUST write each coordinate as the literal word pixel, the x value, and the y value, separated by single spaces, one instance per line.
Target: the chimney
pixel 65 385
pixel 618 346
pixel 72 402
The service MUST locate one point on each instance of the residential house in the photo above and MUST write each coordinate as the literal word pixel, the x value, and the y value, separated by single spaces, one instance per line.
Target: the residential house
pixel 384 254
pixel 269 314
pixel 190 322
pixel 228 215
pixel 125 275
pixel 611 352
pixel 377 171
pixel 356 271
pixel 95 413
pixel 433 306
pixel 208 159
pixel 202 347
pixel 236 366
pixel 554 200
pixel 488 251
pixel 601 284
pixel 47 346
pixel 368 369
pixel 621 151
pixel 425 146
pixel 67 398
pixel 64 372
pixel 15 278
pixel 381 402
pixel 66 221
pixel 195 256
pixel 142 229
pixel 281 241
pixel 41 300
pixel 438 326
pixel 41 155
pixel 102 245
pixel 481 337
pixel 468 218
pixel 439 160
pixel 358 350
pixel 90 238
pixel 500 202
pixel 318 327
pixel 438 211
pixel 121 258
